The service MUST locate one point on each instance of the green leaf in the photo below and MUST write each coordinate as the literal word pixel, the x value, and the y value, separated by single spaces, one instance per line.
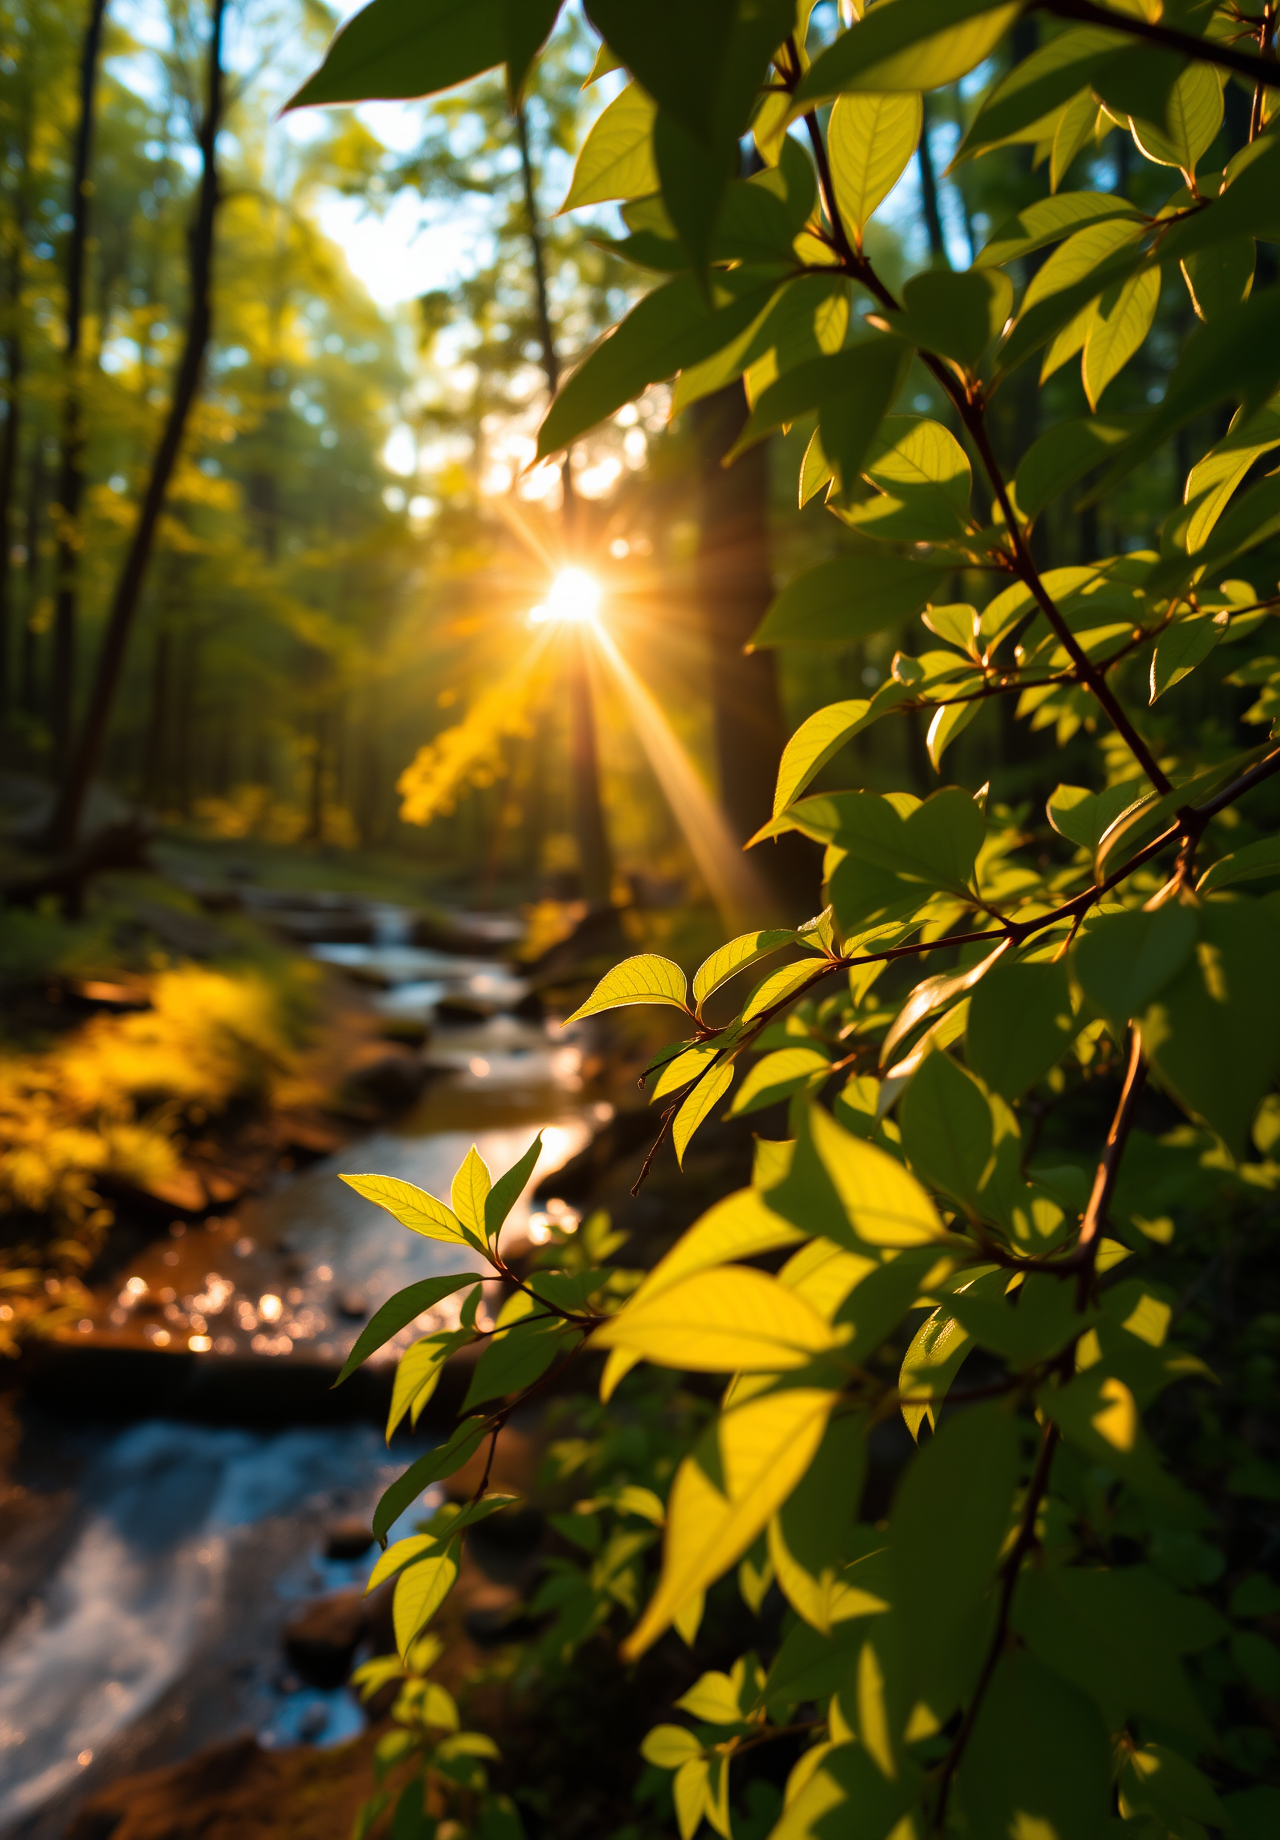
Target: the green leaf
pixel 420 1591
pixel 870 140
pixel 527 29
pixel 616 160
pixel 809 1535
pixel 892 863
pixel 1125 960
pixel 1221 276
pixel 705 1096
pixel 1048 220
pixel 1250 205
pixel 1254 859
pixel 1020 1024
pixel 730 1320
pixel 1234 358
pixel 1085 817
pixel 1039 1322
pixel 946 1126
pixel 1182 647
pixel 389 52
pixel 432 1467
pixel 1065 454
pixel 399 1311
pixel 727 960
pixel 846 1794
pixel 1097 1412
pixel 1123 319
pixel 1039 1757
pixel 673 326
pixel 777 1076
pixel 947 1526
pixel 508 1188
pixel 514 1359
pixel 927 44
pixel 823 734
pixel 957 315
pixel 1213 1031
pixel 1192 118
pixel 1103 1631
pixel 1160 1782
pixel 936 1354
pixel 745 1465
pixel 646 978
pixel 413 1207
pixel 1213 480
pixel 848 598
pixel 948 722
pixel 1036 86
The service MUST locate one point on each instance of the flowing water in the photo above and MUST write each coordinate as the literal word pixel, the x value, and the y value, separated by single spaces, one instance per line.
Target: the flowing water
pixel 184 1548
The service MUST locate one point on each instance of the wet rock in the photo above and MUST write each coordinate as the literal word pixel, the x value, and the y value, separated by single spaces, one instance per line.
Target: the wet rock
pixel 235 1791
pixel 321 1641
pixel 347 1539
pixel 391 1082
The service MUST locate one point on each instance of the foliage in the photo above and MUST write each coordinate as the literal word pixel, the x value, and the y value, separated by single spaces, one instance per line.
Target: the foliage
pixel 106 1106
pixel 1010 1649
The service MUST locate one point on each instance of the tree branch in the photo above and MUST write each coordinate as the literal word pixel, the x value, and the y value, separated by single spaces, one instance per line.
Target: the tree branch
pixel 1264 70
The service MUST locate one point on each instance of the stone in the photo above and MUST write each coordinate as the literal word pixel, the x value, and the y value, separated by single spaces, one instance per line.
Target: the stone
pixel 321 1640
pixel 349 1538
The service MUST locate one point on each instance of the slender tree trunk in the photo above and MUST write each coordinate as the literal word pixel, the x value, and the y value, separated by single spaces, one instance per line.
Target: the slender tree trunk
pixel 595 860
pixel 29 657
pixel 153 758
pixel 734 586
pixel 71 470
pixel 65 823
pixel 929 193
pixel 10 448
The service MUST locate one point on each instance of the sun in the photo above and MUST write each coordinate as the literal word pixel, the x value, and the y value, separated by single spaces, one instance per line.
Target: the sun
pixel 574 597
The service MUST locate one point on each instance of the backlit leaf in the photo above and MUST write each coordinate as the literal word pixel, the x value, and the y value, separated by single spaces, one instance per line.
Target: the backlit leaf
pixel 471 1187
pixel 701 1102
pixel 413 1207
pixel 870 139
pixel 931 43
pixel 725 1321
pixel 420 1591
pixel 727 960
pixel 739 1227
pixel 848 598
pixel 1254 859
pixel 646 978
pixel 1122 321
pixel 777 1076
pixel 399 1311
pixel 1021 1022
pixel 616 159
pixel 885 1205
pixel 508 1188
pixel 946 1126
pixel 748 1462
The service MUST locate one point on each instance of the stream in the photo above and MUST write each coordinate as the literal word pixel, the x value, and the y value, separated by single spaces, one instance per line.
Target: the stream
pixel 155 1563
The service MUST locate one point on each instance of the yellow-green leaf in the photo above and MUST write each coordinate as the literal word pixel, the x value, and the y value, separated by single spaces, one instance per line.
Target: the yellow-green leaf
pixel 683 1068
pixel 700 1102
pixel 1122 321
pixel 870 140
pixel 825 733
pixel 420 1591
pixel 730 1320
pixel 471 1185
pixel 757 1453
pixel 886 1206
pixel 1193 115
pixel 616 160
pixel 777 1076
pixel 647 978
pixel 739 1227
pixel 787 981
pixel 729 959
pixel 413 1207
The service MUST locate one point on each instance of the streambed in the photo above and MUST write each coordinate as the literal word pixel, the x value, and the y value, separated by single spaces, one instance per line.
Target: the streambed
pixel 141 1619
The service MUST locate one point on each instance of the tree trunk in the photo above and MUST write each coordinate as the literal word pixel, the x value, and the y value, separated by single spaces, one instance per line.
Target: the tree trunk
pixel 71 469
pixel 154 751
pixel 594 857
pixel 65 823
pixel 734 586
pixel 9 453
pixel 29 662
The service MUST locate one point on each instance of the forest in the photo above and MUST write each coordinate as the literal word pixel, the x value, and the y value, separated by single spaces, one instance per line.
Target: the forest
pixel 639 920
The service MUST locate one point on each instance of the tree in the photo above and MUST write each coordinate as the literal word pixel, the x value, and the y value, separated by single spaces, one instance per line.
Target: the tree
pixel 1013 1651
